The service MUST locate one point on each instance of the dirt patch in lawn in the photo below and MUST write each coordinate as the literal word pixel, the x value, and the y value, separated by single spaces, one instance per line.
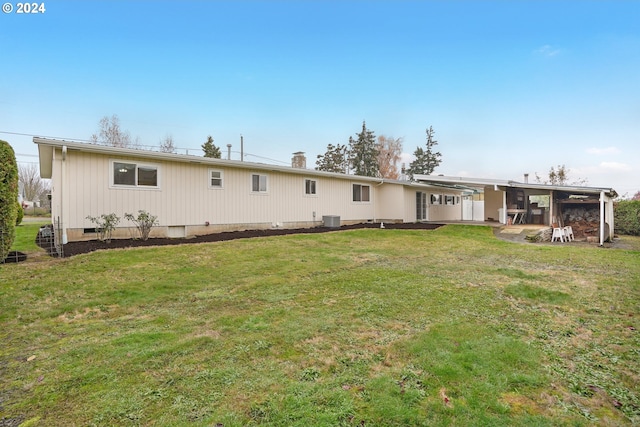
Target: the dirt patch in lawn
pixel 75 248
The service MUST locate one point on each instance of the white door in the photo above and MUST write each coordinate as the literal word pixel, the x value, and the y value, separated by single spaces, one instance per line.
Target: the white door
pixel 421 207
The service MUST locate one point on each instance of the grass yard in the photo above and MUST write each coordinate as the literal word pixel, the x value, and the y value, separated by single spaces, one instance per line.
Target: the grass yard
pixel 355 328
pixel 26 233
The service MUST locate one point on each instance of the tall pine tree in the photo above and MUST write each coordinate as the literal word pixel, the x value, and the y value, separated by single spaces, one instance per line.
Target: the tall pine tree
pixel 425 160
pixel 363 153
pixel 333 160
pixel 210 149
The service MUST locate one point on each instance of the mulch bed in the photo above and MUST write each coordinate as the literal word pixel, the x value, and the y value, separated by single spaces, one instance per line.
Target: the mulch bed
pixel 75 248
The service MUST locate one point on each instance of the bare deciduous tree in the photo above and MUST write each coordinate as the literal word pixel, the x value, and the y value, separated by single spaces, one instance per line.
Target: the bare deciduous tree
pixel 34 187
pixel 166 145
pixel 560 176
pixel 389 152
pixel 111 134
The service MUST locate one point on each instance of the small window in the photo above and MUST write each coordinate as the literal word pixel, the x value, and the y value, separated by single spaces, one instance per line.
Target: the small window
pixel 135 175
pixel 215 179
pixel 361 193
pixel 124 173
pixel 309 186
pixel 147 176
pixel 448 199
pixel 258 183
pixel 436 199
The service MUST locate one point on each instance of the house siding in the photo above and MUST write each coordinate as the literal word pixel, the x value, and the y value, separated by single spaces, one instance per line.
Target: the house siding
pixel 390 206
pixel 493 202
pixel 186 204
pixel 442 211
pixel 185 199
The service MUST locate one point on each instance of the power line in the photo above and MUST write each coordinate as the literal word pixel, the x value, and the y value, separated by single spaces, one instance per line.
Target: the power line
pixel 139 145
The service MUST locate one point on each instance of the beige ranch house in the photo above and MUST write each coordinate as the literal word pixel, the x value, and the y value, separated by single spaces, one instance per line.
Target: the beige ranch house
pixel 193 195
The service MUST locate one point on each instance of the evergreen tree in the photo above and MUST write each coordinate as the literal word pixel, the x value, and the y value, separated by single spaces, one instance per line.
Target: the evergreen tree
pixel 333 160
pixel 363 153
pixel 210 149
pixel 425 160
pixel 8 197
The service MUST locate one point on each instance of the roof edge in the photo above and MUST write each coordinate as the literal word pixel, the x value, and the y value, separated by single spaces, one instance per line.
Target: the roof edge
pixel 50 144
pixel 441 179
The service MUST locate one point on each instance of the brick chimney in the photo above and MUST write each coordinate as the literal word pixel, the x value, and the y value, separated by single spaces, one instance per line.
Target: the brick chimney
pixel 299 160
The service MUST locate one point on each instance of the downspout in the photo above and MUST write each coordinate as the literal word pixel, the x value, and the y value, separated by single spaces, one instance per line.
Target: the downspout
pixel 63 221
pixel 551 209
pixel 503 218
pixel 602 222
pixel 374 202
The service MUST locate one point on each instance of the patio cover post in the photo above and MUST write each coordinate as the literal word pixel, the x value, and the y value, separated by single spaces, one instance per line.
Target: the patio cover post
pixel 602 222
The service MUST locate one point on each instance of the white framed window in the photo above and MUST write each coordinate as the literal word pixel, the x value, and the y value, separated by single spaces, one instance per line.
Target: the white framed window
pixel 449 199
pixel 258 183
pixel 436 199
pixel 133 174
pixel 215 178
pixel 361 193
pixel 310 187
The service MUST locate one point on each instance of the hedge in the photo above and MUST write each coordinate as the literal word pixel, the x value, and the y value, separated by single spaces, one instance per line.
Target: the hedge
pixel 8 197
pixel 19 213
pixel 627 217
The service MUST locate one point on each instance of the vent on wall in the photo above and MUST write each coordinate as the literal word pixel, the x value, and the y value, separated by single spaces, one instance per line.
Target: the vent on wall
pixel 176 231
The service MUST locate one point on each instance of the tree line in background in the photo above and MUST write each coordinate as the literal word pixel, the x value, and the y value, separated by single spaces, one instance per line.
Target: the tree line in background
pixel 34 188
pixel 366 155
pixel 363 155
pixel 560 176
pixel 111 133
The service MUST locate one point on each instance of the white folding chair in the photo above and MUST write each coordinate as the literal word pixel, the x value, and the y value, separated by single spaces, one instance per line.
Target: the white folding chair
pixel 568 233
pixel 558 234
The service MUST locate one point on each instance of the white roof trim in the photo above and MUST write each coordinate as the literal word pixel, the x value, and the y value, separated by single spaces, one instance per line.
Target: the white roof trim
pixel 463 181
pixel 46 147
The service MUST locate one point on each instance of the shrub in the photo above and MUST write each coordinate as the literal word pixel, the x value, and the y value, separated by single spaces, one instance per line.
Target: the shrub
pixel 8 197
pixel 20 215
pixel 627 217
pixel 105 224
pixel 144 222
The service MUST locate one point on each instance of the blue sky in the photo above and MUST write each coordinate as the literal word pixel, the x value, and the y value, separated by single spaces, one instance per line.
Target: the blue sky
pixel 509 87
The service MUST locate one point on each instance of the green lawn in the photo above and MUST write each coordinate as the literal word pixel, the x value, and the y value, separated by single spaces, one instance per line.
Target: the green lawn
pixel 26 233
pixel 366 327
